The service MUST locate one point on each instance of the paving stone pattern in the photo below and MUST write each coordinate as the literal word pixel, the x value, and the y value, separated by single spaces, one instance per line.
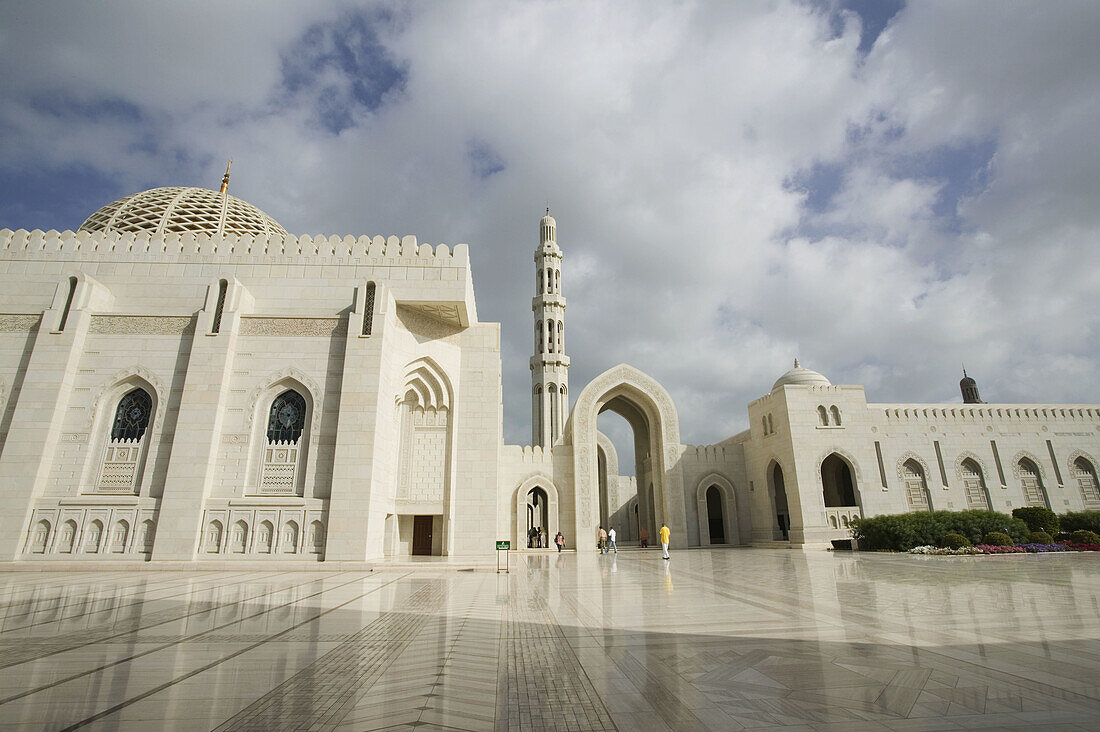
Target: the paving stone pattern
pixel 712 639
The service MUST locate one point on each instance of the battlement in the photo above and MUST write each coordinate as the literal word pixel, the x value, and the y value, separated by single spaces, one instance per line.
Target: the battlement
pixel 988 412
pixel 305 249
pixel 527 454
pixel 706 453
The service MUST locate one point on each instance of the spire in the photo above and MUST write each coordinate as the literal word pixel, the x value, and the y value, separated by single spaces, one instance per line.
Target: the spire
pixel 225 179
pixel 796 362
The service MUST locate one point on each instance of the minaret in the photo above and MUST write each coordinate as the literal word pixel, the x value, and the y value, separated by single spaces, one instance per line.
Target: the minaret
pixel 549 365
pixel 969 389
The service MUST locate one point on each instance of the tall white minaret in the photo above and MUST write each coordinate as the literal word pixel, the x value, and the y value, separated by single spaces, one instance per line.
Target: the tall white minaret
pixel 549 365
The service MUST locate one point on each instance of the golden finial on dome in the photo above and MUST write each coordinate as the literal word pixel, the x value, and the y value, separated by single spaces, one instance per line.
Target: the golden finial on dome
pixel 225 179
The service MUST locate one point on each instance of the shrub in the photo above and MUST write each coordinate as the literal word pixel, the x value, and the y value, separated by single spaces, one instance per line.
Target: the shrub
pixel 1084 536
pixel 1075 520
pixel 1037 519
pixel 997 538
pixel 1039 537
pixel 902 532
pixel 955 541
pixel 1063 536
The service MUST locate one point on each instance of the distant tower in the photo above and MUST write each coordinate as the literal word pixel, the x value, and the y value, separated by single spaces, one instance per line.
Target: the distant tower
pixel 969 390
pixel 549 365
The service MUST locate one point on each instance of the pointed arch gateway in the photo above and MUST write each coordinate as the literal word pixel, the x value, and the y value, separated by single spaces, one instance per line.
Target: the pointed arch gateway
pixel 649 410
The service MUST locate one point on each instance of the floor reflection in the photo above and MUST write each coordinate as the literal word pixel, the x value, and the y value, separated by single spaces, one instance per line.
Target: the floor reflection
pixel 712 639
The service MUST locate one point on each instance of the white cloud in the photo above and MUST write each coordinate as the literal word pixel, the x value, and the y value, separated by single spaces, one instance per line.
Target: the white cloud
pixel 664 137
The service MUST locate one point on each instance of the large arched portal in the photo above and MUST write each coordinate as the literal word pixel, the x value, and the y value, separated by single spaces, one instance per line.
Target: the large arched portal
pixel 648 410
pixel 538 515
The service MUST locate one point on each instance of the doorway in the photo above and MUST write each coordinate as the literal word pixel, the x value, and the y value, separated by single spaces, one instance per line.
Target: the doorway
pixel 715 520
pixel 422 536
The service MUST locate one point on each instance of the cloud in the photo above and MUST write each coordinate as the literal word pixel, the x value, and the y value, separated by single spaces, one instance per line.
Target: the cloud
pixel 883 191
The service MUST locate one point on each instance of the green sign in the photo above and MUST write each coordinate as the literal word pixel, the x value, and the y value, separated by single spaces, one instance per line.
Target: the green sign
pixel 504 545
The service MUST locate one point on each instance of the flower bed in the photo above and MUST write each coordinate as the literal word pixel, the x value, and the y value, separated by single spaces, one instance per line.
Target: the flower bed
pixel 1019 549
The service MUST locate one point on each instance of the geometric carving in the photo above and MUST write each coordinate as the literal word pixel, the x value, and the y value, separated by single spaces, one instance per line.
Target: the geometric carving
pixel 294 327
pixel 142 325
pixel 19 323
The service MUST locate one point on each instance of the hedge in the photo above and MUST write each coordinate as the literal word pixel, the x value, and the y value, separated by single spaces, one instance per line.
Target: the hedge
pixel 901 532
pixel 1077 520
pixel 1038 519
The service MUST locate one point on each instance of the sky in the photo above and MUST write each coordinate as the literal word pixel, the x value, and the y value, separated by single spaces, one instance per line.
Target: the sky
pixel 887 191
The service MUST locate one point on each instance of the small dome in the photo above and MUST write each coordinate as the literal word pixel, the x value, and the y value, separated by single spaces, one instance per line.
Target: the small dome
pixel 799 376
pixel 176 210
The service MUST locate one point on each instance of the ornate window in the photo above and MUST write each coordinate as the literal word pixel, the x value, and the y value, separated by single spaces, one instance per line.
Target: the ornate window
pixel 286 421
pixel 223 288
pixel 126 444
pixel 1032 483
pixel 823 416
pixel 368 310
pixel 1085 474
pixel 836 415
pixel 916 489
pixel 974 484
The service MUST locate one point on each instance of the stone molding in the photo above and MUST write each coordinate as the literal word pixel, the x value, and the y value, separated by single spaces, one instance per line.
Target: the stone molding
pixel 1034 460
pixel 906 457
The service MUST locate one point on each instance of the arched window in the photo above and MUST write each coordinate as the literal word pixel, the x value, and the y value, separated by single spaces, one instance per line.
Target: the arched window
pixel 974 485
pixel 538 289
pixel 1032 483
pixel 771 425
pixel 539 340
pixel 68 537
pixel 764 424
pixel 213 537
pixel 126 447
pixel 119 536
pixel 95 535
pixel 836 415
pixel 822 416
pixel 551 335
pixel 148 535
pixel 239 538
pixel 223 288
pixel 317 537
pixel 285 423
pixel 290 538
pixel 916 488
pixel 1085 474
pixel 557 281
pixel 368 309
pixel 555 414
pixel 265 538
pixel 40 537
pixel 561 337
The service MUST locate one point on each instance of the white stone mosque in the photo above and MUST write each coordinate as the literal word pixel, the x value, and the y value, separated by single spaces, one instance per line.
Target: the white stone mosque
pixel 182 380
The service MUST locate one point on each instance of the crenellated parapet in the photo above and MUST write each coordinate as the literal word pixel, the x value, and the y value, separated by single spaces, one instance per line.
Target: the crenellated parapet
pixel 708 453
pixel 183 247
pixel 966 414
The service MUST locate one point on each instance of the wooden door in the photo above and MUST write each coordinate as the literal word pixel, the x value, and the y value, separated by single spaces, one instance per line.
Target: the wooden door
pixel 422 535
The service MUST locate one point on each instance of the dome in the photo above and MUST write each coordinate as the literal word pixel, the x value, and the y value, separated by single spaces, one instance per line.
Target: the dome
pixel 177 210
pixel 799 376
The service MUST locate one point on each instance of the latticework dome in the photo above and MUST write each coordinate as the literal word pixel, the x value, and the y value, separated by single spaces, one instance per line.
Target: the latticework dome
pixel 182 210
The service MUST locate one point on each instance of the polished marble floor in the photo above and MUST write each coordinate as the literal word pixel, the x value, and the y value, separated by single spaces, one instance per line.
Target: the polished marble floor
pixel 713 639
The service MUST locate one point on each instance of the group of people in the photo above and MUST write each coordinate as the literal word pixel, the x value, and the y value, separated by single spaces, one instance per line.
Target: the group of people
pixel 605 540
pixel 536 539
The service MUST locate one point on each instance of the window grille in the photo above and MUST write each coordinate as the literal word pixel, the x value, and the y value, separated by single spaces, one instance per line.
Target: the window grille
pixel 288 418
pixel 132 416
pixel 368 310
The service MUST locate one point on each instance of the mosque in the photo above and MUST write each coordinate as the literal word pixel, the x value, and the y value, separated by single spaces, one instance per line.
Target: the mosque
pixel 182 380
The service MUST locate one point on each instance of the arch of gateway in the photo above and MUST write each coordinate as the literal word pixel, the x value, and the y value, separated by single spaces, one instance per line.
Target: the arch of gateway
pixel 183 380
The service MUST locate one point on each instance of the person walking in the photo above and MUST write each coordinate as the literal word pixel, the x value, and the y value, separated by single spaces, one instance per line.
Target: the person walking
pixel 665 534
pixel 559 541
pixel 611 538
pixel 601 541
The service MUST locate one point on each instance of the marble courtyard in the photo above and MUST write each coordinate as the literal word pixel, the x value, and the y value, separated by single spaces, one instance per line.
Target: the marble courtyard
pixel 721 639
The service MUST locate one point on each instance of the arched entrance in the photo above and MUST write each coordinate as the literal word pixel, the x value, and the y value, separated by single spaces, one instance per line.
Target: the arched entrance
pixel 716 504
pixel 538 515
pixel 839 490
pixel 536 506
pixel 778 490
pixel 649 411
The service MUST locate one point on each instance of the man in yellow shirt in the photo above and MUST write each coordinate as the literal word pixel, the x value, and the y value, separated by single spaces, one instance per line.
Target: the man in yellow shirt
pixel 665 533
